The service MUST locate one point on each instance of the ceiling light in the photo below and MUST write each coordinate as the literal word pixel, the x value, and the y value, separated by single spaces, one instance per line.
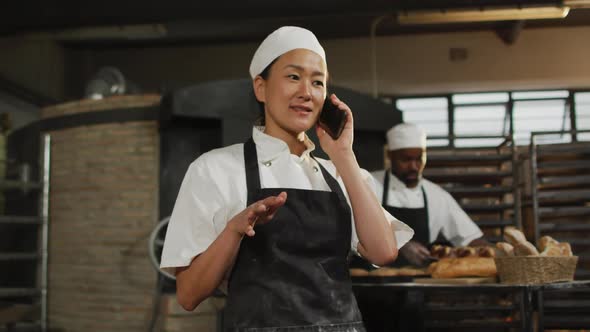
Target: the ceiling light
pixel 577 3
pixel 125 32
pixel 483 15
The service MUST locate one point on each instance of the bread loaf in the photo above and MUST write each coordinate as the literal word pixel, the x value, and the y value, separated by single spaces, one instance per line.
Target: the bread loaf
pixel 566 249
pixel 504 249
pixel 544 241
pixel 485 252
pixel 547 246
pixel 440 251
pixel 557 249
pixel 514 236
pixel 465 252
pixel 552 250
pixel 463 267
pixel 525 249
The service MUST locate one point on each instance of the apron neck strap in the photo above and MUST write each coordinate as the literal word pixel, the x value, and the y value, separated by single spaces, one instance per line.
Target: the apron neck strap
pixel 252 171
pixel 330 180
pixel 385 188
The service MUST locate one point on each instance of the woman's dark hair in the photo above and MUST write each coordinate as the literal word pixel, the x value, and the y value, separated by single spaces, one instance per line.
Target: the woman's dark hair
pixel 260 121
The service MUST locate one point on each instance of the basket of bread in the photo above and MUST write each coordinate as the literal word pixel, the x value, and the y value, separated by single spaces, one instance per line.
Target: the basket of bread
pixel 520 262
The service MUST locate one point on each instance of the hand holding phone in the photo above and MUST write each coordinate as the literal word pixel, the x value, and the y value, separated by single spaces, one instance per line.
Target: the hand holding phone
pixel 332 119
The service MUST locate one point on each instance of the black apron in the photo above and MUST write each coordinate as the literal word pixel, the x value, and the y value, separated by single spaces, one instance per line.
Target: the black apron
pixel 417 219
pixel 293 274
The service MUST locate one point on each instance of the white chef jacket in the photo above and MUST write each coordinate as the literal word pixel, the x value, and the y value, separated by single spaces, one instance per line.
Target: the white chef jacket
pixel 214 190
pixel 444 213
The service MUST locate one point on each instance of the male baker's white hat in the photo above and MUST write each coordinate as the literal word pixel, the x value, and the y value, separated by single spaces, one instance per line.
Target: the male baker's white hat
pixel 281 41
pixel 406 136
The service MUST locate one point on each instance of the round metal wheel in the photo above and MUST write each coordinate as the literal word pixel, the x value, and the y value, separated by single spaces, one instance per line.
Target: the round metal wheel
pixel 155 244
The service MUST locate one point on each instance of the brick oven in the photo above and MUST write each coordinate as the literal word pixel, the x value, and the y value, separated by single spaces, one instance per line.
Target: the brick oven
pixel 104 203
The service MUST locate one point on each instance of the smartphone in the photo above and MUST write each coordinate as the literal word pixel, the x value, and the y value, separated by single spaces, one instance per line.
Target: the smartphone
pixel 332 119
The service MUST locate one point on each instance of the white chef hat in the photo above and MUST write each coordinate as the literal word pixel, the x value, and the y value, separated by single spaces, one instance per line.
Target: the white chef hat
pixel 281 41
pixel 406 136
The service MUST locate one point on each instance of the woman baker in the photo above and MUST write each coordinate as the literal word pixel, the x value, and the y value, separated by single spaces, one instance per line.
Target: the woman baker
pixel 271 219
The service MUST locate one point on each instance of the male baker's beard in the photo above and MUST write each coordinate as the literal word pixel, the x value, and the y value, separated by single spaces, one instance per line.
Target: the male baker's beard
pixel 410 179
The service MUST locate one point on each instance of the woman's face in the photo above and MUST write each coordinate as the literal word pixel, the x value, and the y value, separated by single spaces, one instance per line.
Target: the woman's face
pixel 293 93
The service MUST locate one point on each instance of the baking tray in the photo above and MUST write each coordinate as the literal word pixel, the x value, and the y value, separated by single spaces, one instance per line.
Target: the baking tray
pixel 384 280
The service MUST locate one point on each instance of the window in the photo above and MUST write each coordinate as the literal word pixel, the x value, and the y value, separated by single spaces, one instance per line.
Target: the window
pixel 474 121
pixel 429 113
pixel 541 115
pixel 481 98
pixel 484 119
pixel 540 94
pixel 481 114
pixel 582 100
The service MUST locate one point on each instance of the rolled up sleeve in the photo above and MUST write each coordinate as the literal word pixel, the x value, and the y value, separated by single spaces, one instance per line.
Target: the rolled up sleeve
pixel 192 228
pixel 460 230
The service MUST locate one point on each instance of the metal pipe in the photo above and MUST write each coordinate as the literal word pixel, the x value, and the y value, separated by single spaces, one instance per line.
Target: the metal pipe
pixel 534 187
pixel 516 184
pixel 374 25
pixel 45 227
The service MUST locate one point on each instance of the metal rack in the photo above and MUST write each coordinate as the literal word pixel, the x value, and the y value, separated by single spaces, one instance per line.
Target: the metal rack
pixel 485 183
pixel 499 307
pixel 560 181
pixel 23 305
pixel 483 180
pixel 560 193
pixel 467 309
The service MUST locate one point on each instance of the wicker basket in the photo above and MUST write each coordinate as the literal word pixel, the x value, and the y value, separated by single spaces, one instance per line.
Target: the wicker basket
pixel 535 269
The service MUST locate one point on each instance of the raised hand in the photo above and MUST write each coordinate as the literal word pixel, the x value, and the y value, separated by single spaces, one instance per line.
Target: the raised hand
pixel 258 213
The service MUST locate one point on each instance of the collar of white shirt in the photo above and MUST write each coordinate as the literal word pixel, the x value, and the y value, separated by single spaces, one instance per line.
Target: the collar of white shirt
pixel 270 148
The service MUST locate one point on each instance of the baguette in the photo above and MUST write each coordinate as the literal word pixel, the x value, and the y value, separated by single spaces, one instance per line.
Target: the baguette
pixel 385 272
pixel 356 272
pixel 411 271
pixel 463 267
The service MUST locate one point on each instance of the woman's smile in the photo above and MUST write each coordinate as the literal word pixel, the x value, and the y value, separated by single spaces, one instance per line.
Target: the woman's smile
pixel 301 110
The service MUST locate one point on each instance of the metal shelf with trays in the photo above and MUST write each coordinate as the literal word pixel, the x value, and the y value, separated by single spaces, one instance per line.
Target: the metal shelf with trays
pixel 23 291
pixel 560 192
pixel 484 181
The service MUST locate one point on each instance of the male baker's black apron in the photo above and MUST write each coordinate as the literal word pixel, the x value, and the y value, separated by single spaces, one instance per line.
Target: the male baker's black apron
pixel 417 219
pixel 293 274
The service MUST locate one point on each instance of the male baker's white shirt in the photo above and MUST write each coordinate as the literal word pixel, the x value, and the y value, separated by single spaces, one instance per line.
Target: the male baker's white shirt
pixel 444 213
pixel 214 190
